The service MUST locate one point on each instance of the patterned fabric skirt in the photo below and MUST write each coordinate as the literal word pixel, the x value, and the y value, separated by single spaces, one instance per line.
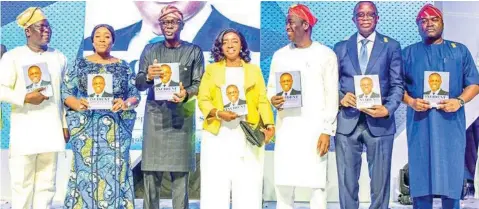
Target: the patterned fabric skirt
pixel 101 176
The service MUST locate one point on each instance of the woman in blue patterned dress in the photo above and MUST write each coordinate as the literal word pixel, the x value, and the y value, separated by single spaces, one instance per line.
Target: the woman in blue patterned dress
pixel 100 139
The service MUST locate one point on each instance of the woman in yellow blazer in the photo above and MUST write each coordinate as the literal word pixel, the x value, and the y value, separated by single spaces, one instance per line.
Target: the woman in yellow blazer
pixel 230 164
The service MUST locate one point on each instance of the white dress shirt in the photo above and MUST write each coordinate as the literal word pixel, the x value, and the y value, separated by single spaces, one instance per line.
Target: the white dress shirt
pixel 434 92
pixel 36 85
pixel 235 75
pixel 99 95
pixel 288 93
pixel 167 84
pixel 369 45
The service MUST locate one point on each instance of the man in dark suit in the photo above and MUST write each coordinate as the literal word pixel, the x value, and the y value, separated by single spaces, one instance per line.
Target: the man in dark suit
pixel 367 85
pixel 232 92
pixel 367 53
pixel 166 78
pixel 286 82
pixel 98 84
pixel 35 75
pixel 435 82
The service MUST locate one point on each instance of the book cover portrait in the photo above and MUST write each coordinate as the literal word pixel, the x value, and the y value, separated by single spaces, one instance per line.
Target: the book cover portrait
pixel 166 86
pixel 288 85
pixel 37 76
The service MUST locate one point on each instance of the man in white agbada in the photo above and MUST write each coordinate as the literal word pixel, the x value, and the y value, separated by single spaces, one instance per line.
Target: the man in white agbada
pixel 36 134
pixel 303 134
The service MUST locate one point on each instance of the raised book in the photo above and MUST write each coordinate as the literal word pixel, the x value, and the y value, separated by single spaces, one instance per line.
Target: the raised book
pixel 234 99
pixel 169 84
pixel 288 85
pixel 367 91
pixel 37 76
pixel 436 87
pixel 100 91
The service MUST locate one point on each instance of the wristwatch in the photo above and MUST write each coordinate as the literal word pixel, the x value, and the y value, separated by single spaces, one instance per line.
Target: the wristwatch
pixel 461 101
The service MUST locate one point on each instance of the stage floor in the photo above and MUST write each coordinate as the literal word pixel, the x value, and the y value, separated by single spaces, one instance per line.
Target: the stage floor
pixel 195 204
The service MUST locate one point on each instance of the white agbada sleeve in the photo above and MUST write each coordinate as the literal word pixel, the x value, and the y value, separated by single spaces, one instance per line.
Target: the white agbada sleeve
pixel 9 92
pixel 63 109
pixel 330 80
pixel 271 88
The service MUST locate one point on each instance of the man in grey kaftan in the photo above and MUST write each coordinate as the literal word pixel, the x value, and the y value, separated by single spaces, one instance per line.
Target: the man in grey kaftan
pixel 168 144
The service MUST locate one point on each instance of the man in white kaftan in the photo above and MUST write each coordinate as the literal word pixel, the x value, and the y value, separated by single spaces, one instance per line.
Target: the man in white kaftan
pixel 36 134
pixel 303 134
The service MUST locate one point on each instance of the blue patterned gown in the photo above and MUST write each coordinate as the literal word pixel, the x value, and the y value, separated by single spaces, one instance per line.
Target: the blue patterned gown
pixel 100 140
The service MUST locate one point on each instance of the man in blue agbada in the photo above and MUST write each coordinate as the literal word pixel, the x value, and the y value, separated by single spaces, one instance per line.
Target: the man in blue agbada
pixel 436 135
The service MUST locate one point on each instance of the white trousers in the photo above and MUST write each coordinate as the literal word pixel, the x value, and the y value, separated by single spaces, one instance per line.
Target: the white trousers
pixel 285 198
pixel 33 180
pixel 230 168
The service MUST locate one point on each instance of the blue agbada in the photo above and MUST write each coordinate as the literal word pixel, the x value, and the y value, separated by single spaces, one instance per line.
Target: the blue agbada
pixel 436 139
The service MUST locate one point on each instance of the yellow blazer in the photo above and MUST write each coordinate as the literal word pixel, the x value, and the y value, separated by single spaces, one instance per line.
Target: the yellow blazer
pixel 209 95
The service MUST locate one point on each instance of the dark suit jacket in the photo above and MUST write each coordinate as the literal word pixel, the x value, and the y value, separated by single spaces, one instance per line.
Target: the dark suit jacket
pixel 441 92
pixel 373 95
pixel 240 102
pixel 386 62
pixel 105 94
pixel 293 92
pixel 42 83
pixel 172 83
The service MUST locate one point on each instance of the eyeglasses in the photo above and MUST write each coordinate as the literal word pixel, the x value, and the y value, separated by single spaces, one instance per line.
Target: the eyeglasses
pixel 42 27
pixel 362 15
pixel 165 23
